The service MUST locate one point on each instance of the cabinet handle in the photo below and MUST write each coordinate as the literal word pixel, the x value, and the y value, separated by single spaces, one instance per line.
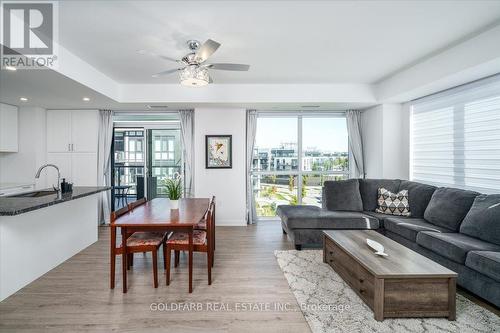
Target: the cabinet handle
pixel 362 291
pixel 361 280
pixel 331 253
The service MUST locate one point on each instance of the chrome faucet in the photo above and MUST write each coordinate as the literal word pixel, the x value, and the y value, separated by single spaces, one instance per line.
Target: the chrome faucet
pixel 58 189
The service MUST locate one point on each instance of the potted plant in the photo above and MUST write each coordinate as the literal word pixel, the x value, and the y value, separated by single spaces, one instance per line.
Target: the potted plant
pixel 174 189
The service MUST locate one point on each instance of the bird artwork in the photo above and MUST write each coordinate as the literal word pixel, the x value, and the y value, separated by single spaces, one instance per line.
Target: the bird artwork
pixel 218 151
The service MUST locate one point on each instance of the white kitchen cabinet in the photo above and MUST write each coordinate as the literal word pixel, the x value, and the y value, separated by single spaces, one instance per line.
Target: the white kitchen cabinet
pixel 58 131
pixel 84 131
pixel 72 131
pixel 84 169
pixel 8 128
pixel 74 148
pixel 63 162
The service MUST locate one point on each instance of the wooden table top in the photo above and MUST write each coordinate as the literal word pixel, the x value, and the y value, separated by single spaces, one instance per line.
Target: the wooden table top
pixel 157 212
pixel 401 262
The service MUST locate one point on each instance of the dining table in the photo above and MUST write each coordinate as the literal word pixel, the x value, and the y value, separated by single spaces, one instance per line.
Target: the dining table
pixel 156 215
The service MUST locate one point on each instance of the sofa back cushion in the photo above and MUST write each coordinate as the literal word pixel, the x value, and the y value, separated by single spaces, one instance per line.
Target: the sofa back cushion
pixel 342 195
pixel 448 207
pixel 368 189
pixel 419 196
pixel 483 219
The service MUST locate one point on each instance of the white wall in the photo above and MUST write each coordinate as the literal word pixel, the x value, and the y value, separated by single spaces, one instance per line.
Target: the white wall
pixel 228 185
pixel 21 167
pixel 385 133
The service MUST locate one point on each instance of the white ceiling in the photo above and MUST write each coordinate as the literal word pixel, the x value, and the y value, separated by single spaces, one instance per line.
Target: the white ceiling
pixel 293 47
pixel 283 41
pixel 51 90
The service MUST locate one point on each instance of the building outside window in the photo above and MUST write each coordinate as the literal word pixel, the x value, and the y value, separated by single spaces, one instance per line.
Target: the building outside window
pixel 294 155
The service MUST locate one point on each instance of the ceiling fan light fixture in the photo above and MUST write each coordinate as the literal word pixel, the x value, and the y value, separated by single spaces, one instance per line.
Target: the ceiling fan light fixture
pixel 194 76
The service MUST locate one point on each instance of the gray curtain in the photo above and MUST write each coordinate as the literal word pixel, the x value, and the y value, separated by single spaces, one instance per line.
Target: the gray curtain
pixel 187 140
pixel 356 155
pixel 105 136
pixel 251 130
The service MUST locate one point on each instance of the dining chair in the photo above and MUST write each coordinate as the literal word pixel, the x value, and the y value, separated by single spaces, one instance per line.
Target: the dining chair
pixel 202 242
pixel 136 242
pixel 202 225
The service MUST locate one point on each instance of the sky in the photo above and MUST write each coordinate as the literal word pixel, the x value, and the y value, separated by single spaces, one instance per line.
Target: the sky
pixel 327 134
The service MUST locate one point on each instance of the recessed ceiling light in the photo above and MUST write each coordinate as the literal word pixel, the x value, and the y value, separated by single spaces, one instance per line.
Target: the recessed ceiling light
pixel 11 68
pixel 23 99
pixel 310 106
pixel 86 99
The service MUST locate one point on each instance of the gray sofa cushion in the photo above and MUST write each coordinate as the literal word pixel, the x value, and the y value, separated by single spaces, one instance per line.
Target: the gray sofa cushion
pixel 448 207
pixel 342 195
pixel 483 219
pixel 419 196
pixel 485 262
pixel 410 227
pixel 310 217
pixel 368 189
pixel 453 246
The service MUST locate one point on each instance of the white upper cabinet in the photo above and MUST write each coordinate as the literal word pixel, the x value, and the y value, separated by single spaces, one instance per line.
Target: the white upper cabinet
pixel 8 128
pixel 84 131
pixel 72 131
pixel 58 131
pixel 72 144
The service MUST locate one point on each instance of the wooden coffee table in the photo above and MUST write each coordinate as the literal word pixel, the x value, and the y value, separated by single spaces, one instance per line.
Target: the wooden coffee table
pixel 403 284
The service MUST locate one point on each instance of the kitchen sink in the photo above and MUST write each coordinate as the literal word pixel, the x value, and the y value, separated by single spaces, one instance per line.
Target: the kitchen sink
pixel 34 194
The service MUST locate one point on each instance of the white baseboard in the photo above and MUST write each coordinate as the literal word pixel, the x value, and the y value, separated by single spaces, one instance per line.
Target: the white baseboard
pixel 230 223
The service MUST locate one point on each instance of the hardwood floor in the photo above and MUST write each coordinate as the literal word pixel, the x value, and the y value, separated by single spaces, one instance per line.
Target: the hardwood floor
pixel 75 296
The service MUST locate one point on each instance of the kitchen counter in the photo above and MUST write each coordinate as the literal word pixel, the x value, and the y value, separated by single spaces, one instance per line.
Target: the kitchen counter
pixel 18 205
pixel 39 233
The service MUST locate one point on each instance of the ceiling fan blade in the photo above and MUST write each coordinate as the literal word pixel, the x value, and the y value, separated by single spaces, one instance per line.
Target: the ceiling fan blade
pixel 169 71
pixel 206 50
pixel 229 67
pixel 158 55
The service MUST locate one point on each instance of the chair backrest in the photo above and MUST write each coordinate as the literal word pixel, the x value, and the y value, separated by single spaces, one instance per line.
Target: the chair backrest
pixel 210 221
pixel 117 213
pixel 136 203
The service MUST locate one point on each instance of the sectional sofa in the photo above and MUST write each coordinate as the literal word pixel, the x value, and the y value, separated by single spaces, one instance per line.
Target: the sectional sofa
pixel 457 228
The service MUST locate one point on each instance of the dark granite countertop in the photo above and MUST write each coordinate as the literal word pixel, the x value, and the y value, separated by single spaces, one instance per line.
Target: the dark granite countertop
pixel 18 205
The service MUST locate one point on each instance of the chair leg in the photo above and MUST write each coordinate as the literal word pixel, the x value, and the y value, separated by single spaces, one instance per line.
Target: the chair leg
pixel 169 255
pixel 209 266
pixel 176 255
pixel 128 262
pixel 112 272
pixel 155 268
pixel 164 246
pixel 131 260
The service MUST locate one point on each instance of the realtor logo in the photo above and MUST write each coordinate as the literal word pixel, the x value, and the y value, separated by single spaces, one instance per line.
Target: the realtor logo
pixel 28 34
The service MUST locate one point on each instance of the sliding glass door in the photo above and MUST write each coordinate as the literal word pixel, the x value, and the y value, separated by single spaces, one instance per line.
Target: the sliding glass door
pixel 294 155
pixel 142 159
pixel 164 157
pixel 128 164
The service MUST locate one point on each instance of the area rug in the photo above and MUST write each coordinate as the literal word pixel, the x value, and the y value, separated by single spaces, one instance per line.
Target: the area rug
pixel 330 305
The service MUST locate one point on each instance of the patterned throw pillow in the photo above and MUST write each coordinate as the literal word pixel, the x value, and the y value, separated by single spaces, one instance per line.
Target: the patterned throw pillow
pixel 393 203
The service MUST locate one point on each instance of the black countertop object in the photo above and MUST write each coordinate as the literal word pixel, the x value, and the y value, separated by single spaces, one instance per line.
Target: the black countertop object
pixel 21 204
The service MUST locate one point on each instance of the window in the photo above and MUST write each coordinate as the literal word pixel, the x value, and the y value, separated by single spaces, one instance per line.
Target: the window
pixel 279 176
pixel 455 137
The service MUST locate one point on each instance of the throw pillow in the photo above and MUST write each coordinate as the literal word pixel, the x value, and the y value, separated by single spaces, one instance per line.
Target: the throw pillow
pixel 393 203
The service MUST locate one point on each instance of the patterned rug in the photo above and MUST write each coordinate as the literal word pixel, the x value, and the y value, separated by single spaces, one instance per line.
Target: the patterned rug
pixel 329 304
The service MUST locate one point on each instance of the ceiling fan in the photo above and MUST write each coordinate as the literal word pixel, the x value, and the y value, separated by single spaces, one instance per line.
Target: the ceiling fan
pixel 194 71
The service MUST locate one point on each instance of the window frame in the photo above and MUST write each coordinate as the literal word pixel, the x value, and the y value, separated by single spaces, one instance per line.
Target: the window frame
pixel 299 173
